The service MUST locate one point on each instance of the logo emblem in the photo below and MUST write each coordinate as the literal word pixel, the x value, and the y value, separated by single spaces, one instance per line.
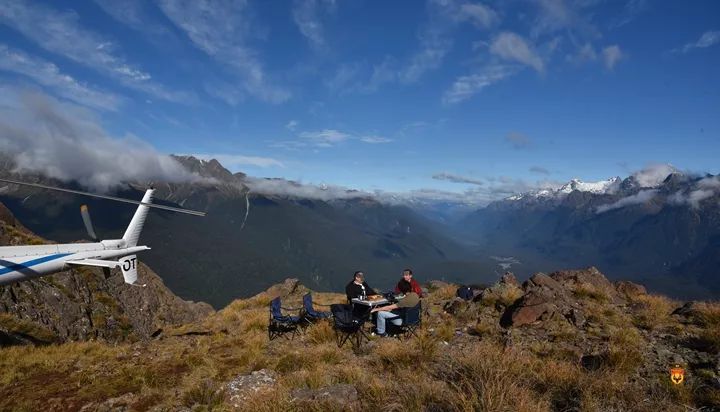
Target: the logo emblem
pixel 677 375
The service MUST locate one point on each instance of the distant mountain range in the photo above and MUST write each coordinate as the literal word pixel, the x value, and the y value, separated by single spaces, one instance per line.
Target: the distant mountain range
pixel 663 232
pixel 666 233
pixel 249 241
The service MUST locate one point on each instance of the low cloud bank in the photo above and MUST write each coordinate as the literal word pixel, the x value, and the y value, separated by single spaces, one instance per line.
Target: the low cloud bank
pixel 636 199
pixel 66 142
pixel 654 174
pixel 282 187
pixel 703 189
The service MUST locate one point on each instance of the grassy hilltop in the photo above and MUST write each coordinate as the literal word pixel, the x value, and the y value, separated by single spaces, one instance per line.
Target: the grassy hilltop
pixel 612 353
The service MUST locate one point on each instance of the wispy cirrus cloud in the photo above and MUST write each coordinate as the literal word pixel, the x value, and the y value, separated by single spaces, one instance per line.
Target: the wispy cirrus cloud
pixel 631 10
pixel 458 179
pixel 609 55
pixel 707 39
pixel 328 138
pixel 220 29
pixel 133 14
pixel 362 78
pixel 49 75
pixel 467 86
pixel 513 47
pixel 560 15
pixel 375 139
pixel 436 37
pixel 325 138
pixel 306 14
pixel 59 32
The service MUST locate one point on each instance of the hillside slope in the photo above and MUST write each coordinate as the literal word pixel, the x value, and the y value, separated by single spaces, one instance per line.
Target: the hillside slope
pixel 567 341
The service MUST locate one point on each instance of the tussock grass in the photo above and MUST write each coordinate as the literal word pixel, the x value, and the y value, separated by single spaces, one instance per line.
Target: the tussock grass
pixel 653 311
pixel 625 350
pixel 320 332
pixel 508 294
pixel 590 292
pixel 446 292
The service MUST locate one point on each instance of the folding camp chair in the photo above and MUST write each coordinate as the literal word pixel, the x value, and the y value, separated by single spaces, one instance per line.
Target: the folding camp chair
pixel 280 324
pixel 347 327
pixel 310 315
pixel 411 320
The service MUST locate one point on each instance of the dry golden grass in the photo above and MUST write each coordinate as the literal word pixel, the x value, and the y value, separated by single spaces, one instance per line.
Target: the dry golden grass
pixel 447 292
pixel 469 374
pixel 321 332
pixel 588 291
pixel 653 311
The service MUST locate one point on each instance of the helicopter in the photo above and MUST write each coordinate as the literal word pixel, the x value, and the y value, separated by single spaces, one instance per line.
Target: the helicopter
pixel 20 263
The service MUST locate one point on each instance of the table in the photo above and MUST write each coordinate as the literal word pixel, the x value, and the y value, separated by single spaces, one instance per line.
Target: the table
pixel 371 303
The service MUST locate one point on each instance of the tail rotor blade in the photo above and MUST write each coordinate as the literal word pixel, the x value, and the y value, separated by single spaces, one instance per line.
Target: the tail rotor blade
pixel 88 222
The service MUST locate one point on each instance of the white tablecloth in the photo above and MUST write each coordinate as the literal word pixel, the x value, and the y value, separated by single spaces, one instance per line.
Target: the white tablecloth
pixel 371 303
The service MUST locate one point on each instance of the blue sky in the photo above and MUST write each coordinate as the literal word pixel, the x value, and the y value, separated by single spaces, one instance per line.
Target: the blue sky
pixel 445 95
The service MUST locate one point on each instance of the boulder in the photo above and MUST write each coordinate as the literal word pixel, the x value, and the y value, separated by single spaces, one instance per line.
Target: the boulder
pixel 509 279
pixel 689 309
pixel 525 315
pixel 289 287
pixel 242 387
pixel 541 280
pixel 544 297
pixel 630 290
pixel 590 278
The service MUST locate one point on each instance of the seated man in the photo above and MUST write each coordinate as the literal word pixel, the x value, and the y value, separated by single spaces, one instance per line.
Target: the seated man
pixel 407 275
pixel 385 313
pixel 358 288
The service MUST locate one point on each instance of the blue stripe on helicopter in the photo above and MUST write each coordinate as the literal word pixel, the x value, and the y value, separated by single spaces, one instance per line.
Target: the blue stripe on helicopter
pixel 26 265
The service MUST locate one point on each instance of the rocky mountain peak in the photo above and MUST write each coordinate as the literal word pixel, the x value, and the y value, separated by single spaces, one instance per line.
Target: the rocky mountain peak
pixel 208 168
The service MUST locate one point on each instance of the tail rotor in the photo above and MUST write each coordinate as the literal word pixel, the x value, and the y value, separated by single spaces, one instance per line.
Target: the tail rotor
pixel 85 213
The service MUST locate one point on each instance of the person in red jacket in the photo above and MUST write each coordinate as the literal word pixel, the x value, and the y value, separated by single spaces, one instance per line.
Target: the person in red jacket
pixel 407 275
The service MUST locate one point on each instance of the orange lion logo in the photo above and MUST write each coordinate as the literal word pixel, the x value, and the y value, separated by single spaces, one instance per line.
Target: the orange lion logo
pixel 677 375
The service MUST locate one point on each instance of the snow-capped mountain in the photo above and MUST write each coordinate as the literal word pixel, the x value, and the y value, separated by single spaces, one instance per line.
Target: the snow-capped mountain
pixel 661 227
pixel 602 187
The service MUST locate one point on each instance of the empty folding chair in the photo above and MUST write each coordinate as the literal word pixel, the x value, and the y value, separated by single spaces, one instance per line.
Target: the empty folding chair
pixel 347 327
pixel 311 315
pixel 281 324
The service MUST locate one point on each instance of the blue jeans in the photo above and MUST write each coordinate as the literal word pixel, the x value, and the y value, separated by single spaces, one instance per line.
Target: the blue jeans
pixel 382 317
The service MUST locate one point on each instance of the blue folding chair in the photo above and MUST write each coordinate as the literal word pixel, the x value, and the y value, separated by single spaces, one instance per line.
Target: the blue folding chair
pixel 281 324
pixel 310 315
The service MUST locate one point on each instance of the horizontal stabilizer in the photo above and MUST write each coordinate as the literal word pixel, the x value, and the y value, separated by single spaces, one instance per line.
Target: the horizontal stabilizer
pixel 94 262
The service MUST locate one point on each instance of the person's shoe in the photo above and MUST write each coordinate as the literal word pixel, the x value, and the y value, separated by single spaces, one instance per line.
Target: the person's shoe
pixel 382 335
